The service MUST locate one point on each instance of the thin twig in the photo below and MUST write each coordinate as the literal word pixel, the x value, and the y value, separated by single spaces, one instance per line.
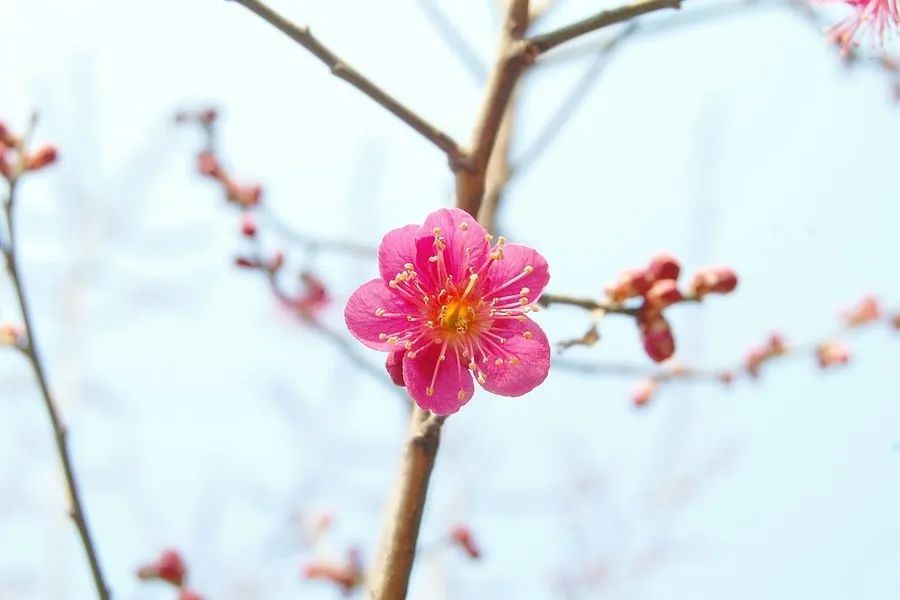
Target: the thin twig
pixel 342 70
pixel 540 44
pixel 60 433
pixel 312 243
pixel 606 306
pixel 454 39
pixel 569 105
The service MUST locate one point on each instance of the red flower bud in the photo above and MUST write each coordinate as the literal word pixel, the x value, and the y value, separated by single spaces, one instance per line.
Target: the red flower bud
pixel 643 392
pixel 6 136
pixel 246 263
pixel 186 594
pixel 316 295
pixel 348 576
pixel 775 346
pixel 244 195
pixel 719 280
pixel 659 343
pixel 830 354
pixel 43 157
pixel 208 164
pixel 664 266
pixel 754 360
pixel 12 335
pixel 208 116
pixel 664 293
pixel 462 537
pixel 169 567
pixel 631 283
pixel 868 309
pixel 248 226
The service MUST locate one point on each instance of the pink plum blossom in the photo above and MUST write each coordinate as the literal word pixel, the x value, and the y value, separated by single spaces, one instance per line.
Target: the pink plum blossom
pixel 870 17
pixel 451 307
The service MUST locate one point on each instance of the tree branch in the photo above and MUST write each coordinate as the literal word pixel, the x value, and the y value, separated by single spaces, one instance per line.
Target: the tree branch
pixel 342 70
pixel 540 44
pixel 511 61
pixel 398 546
pixel 60 432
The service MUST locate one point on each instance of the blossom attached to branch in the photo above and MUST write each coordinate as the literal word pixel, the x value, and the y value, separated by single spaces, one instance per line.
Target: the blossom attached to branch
pixel 871 19
pixel 450 307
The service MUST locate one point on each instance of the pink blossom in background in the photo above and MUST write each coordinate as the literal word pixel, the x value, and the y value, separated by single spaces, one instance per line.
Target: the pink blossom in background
pixel 870 17
pixel 450 307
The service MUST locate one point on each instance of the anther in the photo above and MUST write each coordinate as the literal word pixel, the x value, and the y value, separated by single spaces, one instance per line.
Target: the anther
pixel 528 269
pixel 527 335
pixel 461 394
pixel 409 266
pixel 379 312
pixel 429 391
pixel 464 226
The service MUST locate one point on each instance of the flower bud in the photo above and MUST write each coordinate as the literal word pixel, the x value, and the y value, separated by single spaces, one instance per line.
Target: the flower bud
pixel 168 567
pixel 248 226
pixel 186 594
pixel 664 293
pixel 208 164
pixel 895 321
pixel 664 266
pixel 43 157
pixel 831 354
pixel 462 537
pixel 868 309
pixel 719 280
pixel 6 136
pixel 754 360
pixel 245 262
pixel 630 283
pixel 12 335
pixel 643 392
pixel 656 335
pixel 244 195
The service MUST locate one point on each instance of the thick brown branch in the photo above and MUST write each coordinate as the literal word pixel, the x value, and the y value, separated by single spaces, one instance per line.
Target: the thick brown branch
pixel 59 429
pixel 398 546
pixel 511 62
pixel 547 41
pixel 339 68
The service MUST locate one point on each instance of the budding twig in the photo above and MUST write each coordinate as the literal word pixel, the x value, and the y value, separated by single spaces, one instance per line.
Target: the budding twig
pixel 29 349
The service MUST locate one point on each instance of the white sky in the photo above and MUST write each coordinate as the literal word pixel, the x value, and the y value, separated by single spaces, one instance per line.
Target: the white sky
pixel 204 418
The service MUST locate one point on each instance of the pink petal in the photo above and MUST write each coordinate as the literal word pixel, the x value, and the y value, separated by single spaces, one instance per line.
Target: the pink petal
pixel 359 314
pixel 453 386
pixel 533 360
pixel 460 231
pixel 394 365
pixel 515 258
pixel 398 247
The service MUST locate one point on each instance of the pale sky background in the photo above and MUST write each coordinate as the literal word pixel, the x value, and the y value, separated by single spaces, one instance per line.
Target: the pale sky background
pixel 205 418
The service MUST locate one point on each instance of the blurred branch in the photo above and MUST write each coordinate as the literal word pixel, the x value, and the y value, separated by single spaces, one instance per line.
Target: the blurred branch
pixel 342 70
pixel 312 243
pixel 576 96
pixel 454 39
pixel 542 43
pixel 27 345
pixel 398 546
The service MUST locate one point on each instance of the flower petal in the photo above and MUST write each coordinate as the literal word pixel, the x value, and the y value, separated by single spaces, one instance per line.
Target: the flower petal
pixel 359 314
pixel 394 365
pixel 398 247
pixel 460 231
pixel 515 258
pixel 453 385
pixel 533 353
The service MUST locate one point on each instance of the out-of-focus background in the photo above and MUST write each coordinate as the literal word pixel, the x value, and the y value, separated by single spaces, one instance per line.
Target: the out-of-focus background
pixel 204 416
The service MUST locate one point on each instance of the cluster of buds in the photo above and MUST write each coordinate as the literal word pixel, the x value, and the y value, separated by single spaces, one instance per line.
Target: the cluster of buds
pixel 657 288
pixel 15 159
pixel 348 576
pixel 243 195
pixel 461 537
pixel 171 569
